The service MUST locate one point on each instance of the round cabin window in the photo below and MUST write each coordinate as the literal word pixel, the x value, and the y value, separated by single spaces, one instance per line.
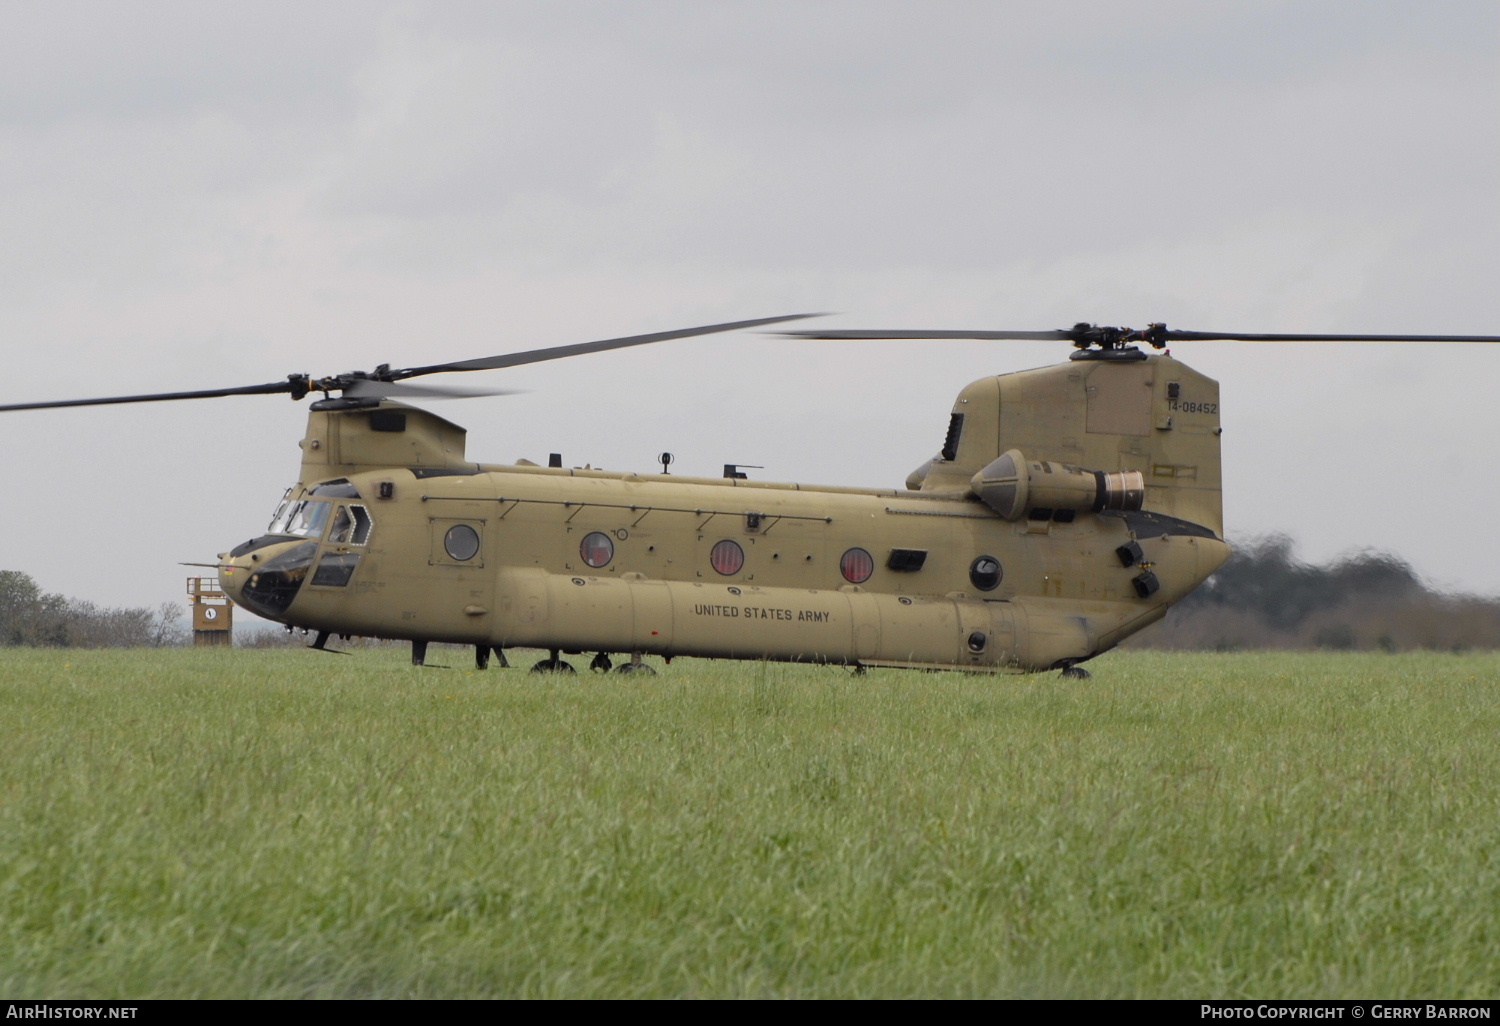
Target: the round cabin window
pixel 857 566
pixel 986 573
pixel 727 557
pixel 461 542
pixel 596 550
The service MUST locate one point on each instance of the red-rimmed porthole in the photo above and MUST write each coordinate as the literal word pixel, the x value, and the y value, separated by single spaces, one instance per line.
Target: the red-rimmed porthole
pixel 597 550
pixel 857 566
pixel 727 557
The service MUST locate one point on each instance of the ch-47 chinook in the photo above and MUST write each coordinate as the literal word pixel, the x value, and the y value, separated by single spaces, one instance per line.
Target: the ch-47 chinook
pixel 1068 508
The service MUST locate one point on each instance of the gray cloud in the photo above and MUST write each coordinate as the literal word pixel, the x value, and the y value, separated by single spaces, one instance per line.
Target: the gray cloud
pixel 208 194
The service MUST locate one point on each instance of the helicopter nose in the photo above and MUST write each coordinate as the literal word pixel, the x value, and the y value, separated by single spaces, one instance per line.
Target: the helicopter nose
pixel 267 580
pixel 232 574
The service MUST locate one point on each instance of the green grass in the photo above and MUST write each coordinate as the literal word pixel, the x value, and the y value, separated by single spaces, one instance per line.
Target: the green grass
pixel 284 824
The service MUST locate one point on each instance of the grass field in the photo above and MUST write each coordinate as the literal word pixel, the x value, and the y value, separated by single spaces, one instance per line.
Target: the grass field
pixel 285 824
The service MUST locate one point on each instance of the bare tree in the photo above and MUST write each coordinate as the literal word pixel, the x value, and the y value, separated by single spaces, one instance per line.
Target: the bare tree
pixel 167 630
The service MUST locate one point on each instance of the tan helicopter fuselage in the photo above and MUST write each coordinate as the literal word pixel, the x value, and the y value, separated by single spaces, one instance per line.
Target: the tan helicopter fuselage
pixel 1072 505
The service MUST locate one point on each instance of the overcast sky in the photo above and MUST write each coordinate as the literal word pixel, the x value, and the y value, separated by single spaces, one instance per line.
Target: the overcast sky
pixel 201 195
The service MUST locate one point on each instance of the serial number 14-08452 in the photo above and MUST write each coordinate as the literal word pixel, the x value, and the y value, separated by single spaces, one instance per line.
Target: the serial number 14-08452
pixel 1188 406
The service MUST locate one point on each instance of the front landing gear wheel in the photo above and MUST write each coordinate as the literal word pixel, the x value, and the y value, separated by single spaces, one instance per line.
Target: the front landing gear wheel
pixel 641 668
pixel 553 666
pixel 1076 673
pixel 601 663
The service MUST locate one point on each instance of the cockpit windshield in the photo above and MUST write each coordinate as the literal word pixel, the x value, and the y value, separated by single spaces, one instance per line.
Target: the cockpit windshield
pixel 301 517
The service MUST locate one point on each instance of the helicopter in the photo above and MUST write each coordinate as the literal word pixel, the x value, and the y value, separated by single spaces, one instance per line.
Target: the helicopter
pixel 1068 508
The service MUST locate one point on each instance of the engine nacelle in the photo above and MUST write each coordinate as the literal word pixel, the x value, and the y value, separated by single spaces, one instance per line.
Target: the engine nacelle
pixel 1015 487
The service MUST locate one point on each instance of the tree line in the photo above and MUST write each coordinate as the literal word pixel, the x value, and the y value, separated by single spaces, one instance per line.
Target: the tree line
pixel 1265 597
pixel 30 616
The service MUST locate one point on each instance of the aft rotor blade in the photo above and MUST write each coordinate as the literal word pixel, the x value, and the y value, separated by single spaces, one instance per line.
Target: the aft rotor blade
pixel 1034 336
pixel 578 349
pixel 1211 336
pixel 1170 335
pixel 362 388
pixel 272 388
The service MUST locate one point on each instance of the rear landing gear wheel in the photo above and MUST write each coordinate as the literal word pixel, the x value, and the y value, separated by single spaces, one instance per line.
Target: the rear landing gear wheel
pixel 1076 673
pixel 601 663
pixel 636 666
pixel 553 666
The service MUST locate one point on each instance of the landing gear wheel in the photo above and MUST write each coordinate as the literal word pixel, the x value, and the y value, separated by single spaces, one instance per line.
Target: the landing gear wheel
pixel 601 663
pixel 553 666
pixel 641 668
pixel 1076 673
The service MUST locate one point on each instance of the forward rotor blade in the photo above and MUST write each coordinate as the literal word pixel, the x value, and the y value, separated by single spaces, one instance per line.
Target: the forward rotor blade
pixel 362 388
pixel 272 388
pixel 1035 336
pixel 578 349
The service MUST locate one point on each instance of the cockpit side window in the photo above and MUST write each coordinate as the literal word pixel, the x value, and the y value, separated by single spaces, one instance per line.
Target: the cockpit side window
pixel 351 526
pixel 361 525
